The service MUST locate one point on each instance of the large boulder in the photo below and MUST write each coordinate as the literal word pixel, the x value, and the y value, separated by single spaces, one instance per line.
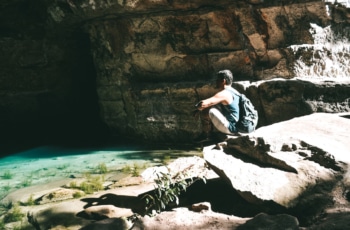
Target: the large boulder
pixel 290 164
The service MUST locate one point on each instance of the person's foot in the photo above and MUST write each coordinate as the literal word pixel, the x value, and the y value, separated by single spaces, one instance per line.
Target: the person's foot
pixel 203 137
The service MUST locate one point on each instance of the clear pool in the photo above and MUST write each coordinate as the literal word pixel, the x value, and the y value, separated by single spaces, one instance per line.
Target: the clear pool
pixel 45 164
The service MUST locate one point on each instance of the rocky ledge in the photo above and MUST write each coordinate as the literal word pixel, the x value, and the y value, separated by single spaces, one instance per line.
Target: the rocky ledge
pixel 293 174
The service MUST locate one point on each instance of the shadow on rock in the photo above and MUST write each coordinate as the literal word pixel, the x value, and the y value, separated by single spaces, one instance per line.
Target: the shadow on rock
pixel 121 201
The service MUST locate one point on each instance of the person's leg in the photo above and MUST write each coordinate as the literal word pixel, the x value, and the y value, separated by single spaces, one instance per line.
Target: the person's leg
pixel 205 120
pixel 206 126
pixel 219 121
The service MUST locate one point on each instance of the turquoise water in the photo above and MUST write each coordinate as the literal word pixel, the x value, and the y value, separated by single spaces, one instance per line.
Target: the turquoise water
pixel 46 164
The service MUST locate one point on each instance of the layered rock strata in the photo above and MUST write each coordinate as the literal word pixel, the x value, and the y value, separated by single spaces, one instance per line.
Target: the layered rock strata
pixel 140 66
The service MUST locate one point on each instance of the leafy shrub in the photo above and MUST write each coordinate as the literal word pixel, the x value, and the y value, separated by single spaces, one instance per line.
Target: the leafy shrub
pixel 168 188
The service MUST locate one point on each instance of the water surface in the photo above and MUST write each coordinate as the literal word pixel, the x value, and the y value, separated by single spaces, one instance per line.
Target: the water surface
pixel 45 164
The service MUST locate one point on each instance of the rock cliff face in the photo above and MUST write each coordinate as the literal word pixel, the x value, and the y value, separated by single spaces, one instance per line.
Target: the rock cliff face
pixel 140 66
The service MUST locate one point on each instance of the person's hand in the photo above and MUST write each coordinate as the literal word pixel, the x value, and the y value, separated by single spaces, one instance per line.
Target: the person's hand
pixel 199 105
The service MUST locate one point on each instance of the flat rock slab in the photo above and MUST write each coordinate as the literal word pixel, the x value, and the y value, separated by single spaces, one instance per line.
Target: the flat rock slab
pixel 282 162
pixel 330 132
pixel 185 219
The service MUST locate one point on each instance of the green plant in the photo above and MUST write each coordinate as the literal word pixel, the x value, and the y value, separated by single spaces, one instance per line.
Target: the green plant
pixel 101 168
pixel 73 184
pixel 49 174
pixel 126 169
pixel 87 187
pixel 167 190
pixel 15 214
pixel 6 206
pixel 146 165
pixel 61 167
pixel 6 187
pixel 30 201
pixel 90 185
pixel 7 175
pixel 2 225
pixel 166 159
pixel 26 183
pixel 135 171
pixel 77 194
pixel 87 175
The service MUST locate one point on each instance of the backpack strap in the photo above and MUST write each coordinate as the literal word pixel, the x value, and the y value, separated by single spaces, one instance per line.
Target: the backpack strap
pixel 235 92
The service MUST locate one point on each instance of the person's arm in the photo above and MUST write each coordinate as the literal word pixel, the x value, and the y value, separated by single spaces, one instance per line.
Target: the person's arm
pixel 220 97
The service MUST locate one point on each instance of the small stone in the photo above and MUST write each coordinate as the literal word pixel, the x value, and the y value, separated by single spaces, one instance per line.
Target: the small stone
pixel 203 206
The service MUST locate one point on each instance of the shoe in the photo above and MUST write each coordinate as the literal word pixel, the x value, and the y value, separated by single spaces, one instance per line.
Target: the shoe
pixel 203 137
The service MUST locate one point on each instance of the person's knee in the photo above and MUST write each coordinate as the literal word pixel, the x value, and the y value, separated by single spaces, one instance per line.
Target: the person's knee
pixel 212 113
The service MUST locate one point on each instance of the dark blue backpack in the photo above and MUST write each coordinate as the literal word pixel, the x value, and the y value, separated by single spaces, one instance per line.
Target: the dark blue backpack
pixel 248 115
